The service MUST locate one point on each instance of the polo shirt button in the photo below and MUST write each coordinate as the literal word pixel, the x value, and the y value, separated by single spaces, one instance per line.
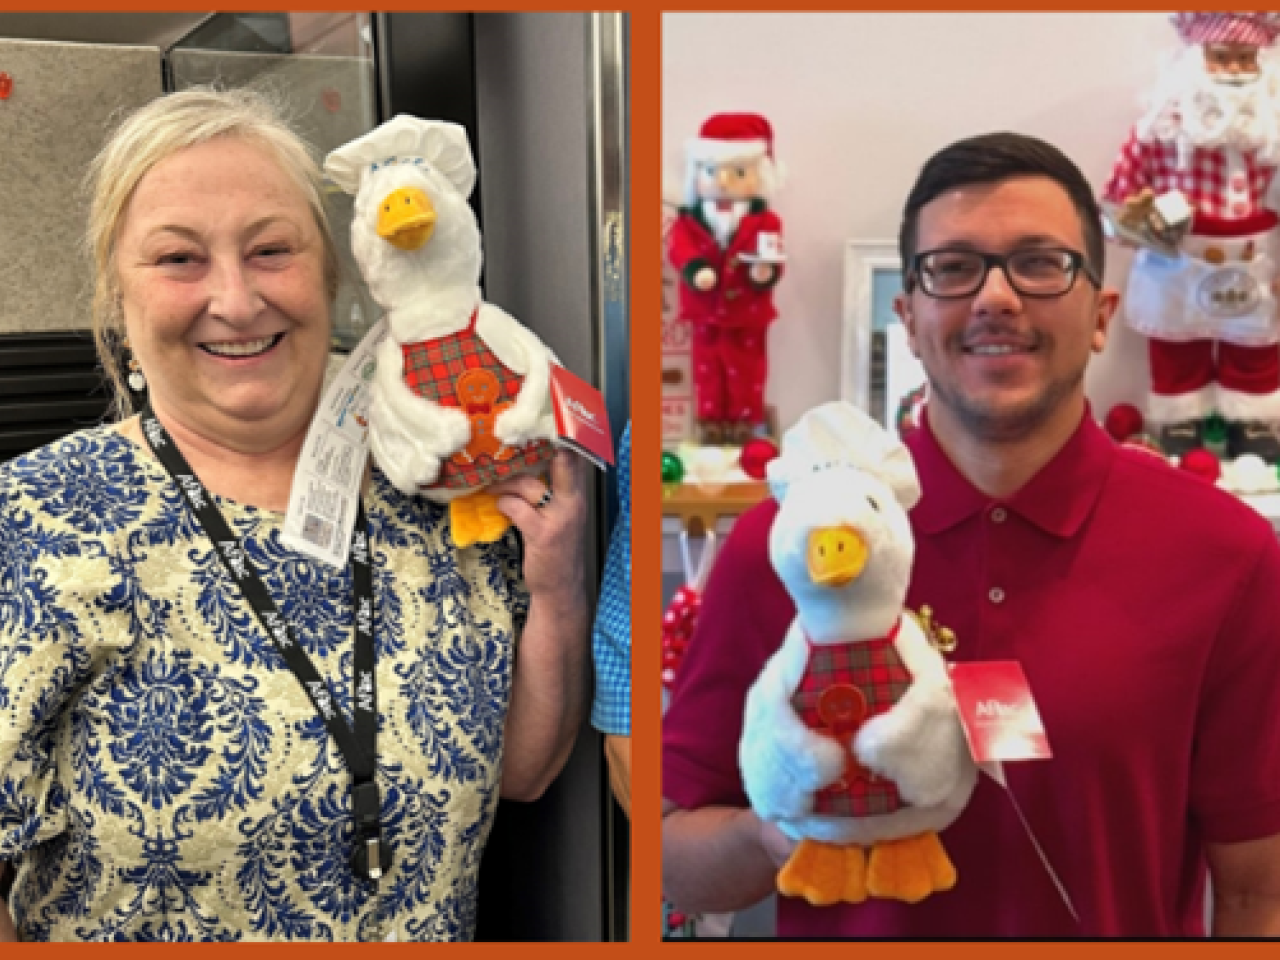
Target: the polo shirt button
pixel 999 514
pixel 996 595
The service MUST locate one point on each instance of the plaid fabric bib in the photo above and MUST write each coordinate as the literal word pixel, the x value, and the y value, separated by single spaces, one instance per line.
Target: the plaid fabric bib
pixel 844 685
pixel 460 371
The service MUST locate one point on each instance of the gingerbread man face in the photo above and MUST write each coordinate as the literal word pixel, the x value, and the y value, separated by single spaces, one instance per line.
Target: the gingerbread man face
pixel 478 390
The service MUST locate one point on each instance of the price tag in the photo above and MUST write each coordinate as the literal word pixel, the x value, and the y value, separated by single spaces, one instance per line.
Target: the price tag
pixel 326 482
pixel 998 712
pixel 1001 723
pixel 581 419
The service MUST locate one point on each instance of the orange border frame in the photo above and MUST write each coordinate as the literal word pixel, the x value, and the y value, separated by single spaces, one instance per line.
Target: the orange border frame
pixel 645 282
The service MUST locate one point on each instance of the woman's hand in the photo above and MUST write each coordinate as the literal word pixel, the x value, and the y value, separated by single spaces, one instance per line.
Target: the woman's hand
pixel 551 688
pixel 554 533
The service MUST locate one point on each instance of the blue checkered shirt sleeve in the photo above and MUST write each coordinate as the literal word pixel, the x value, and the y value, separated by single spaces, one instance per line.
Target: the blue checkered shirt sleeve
pixel 611 639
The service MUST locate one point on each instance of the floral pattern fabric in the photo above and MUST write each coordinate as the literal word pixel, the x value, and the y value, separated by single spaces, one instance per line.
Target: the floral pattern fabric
pixel 163 776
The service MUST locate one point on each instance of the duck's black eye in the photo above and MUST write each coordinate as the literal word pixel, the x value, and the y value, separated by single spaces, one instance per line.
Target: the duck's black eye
pixel 874 504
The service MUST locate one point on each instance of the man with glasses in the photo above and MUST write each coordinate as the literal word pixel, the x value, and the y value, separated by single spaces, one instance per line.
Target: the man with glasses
pixel 1138 600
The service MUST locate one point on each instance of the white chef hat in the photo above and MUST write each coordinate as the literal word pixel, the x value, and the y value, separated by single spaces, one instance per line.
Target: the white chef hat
pixel 405 139
pixel 839 435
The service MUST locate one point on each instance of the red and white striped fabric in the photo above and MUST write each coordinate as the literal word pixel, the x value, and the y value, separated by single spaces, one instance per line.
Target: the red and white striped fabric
pixel 1258 29
pixel 1212 189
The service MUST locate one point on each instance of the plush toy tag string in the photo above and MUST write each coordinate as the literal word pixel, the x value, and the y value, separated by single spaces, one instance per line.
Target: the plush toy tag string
pixel 995 770
pixel 1001 723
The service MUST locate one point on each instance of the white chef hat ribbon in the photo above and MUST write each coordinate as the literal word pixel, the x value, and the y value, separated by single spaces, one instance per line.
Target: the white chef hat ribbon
pixel 839 435
pixel 405 139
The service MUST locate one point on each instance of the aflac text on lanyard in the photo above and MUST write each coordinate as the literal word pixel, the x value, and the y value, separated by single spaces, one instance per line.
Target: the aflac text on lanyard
pixel 371 857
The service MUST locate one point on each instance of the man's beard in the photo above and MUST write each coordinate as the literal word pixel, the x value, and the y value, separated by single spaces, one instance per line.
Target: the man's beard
pixel 1193 108
pixel 1000 422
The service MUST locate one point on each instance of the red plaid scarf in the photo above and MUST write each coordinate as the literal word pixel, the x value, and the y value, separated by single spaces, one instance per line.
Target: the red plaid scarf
pixel 844 685
pixel 431 370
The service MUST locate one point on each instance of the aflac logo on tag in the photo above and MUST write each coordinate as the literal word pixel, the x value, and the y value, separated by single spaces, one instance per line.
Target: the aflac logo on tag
pixel 364 617
pixel 1228 292
pixel 360 548
pixel 580 409
pixel 996 709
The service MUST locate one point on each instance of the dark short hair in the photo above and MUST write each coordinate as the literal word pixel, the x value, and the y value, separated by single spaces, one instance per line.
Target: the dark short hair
pixel 991 158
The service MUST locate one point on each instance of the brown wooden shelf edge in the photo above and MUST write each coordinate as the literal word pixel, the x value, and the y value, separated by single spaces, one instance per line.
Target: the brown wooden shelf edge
pixel 700 510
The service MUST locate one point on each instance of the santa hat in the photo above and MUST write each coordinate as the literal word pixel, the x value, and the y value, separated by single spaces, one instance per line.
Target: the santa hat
pixel 732 136
pixel 1255 29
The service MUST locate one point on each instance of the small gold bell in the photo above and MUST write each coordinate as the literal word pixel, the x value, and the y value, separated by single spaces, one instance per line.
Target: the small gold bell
pixel 943 639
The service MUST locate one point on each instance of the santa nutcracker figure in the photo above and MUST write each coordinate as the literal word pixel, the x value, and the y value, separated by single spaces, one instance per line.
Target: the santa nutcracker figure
pixel 727 246
pixel 1211 134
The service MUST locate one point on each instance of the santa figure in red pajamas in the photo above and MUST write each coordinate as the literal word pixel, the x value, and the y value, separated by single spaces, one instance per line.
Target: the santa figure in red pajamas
pixel 727 246
pixel 1212 133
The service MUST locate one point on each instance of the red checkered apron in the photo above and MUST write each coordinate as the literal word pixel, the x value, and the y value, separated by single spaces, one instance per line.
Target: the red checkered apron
pixel 432 369
pixel 844 685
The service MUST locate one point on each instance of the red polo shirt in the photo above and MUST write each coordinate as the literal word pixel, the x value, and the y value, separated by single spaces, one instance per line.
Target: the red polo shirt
pixel 1144 606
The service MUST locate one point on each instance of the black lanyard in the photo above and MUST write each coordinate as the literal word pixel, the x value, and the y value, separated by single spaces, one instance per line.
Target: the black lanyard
pixel 371 857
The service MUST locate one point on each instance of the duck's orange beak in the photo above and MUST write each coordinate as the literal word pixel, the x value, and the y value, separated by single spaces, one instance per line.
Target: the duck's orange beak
pixel 406 218
pixel 837 555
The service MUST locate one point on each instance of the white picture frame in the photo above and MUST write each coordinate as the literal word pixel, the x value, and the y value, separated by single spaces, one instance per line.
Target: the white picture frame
pixel 877 369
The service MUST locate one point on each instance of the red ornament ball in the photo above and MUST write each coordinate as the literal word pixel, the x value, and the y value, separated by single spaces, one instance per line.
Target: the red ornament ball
pixel 756 455
pixel 1123 421
pixel 677 630
pixel 1203 464
pixel 685 597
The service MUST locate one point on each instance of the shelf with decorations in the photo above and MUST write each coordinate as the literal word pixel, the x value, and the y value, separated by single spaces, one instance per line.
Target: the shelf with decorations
pixel 1247 476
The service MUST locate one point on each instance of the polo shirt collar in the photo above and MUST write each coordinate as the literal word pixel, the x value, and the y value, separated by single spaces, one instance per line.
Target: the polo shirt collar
pixel 1058 499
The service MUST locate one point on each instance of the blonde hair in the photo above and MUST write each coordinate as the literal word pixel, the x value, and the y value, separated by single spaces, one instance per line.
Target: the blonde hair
pixel 151 135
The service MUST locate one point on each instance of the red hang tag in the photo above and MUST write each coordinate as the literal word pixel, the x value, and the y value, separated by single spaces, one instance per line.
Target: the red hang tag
pixel 581 419
pixel 6 86
pixel 998 712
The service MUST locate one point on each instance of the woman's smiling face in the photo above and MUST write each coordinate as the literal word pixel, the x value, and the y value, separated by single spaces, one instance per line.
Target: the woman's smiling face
pixel 221 269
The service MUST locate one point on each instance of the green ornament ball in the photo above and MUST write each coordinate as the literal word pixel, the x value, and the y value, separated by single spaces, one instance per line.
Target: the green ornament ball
pixel 672 468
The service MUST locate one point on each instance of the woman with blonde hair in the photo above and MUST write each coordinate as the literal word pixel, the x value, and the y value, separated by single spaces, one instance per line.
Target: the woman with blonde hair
pixel 205 735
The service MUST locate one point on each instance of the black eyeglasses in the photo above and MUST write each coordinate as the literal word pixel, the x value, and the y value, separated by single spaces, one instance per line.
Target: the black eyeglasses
pixel 1038 272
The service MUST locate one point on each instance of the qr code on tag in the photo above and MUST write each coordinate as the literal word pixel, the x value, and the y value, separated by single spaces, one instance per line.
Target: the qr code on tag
pixel 318 531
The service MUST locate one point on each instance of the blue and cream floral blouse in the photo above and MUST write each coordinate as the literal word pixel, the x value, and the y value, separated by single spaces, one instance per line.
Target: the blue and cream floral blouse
pixel 162 774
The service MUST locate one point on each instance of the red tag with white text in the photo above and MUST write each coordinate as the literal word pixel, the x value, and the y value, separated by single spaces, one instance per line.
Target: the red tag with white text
pixel 581 419
pixel 998 712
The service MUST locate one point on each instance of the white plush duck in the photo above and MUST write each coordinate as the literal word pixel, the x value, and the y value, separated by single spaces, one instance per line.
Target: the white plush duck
pixel 852 742
pixel 461 398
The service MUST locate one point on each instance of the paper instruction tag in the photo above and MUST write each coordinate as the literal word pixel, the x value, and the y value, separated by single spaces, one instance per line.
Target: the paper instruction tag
pixel 582 421
pixel 997 711
pixel 1001 723
pixel 326 482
